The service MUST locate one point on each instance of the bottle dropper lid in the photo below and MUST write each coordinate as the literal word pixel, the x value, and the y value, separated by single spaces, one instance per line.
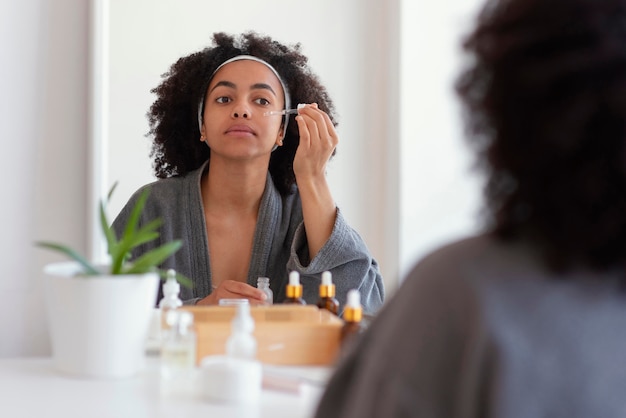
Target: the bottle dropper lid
pixel 171 290
pixel 353 311
pixel 179 320
pixel 294 288
pixel 171 285
pixel 327 288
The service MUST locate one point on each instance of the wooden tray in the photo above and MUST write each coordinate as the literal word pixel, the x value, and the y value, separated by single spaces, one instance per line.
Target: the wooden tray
pixel 285 334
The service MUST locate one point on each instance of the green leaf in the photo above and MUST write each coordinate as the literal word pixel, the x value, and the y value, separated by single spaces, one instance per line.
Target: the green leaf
pixel 120 248
pixel 89 269
pixel 180 278
pixel 152 258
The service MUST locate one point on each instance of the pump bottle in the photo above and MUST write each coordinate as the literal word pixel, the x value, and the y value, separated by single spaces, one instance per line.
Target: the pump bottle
pixel 327 294
pixel 263 283
pixel 294 290
pixel 241 343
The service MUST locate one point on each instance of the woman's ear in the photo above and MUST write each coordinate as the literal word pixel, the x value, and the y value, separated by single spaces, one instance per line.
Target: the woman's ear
pixel 279 137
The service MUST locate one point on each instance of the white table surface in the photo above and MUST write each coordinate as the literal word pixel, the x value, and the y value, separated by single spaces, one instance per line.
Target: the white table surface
pixel 32 387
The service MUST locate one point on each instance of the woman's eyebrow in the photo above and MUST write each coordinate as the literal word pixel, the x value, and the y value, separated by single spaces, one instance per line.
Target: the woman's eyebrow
pixel 256 86
pixel 263 86
pixel 225 84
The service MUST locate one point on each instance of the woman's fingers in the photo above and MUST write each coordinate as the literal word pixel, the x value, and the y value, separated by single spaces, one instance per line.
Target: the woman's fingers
pixel 318 140
pixel 231 289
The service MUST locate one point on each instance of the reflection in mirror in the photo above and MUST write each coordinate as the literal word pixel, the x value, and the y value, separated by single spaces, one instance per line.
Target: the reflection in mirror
pixel 141 39
pixel 359 58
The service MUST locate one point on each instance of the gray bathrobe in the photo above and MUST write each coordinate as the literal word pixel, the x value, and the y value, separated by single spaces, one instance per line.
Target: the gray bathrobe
pixel 280 244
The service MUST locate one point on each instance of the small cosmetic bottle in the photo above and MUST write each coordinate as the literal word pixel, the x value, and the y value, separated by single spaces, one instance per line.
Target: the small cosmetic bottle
pixel 327 294
pixel 178 354
pixel 171 293
pixel 169 301
pixel 263 283
pixel 352 316
pixel 241 342
pixel 294 290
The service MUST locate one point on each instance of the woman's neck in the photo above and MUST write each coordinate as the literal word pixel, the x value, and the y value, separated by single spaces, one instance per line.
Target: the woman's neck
pixel 233 187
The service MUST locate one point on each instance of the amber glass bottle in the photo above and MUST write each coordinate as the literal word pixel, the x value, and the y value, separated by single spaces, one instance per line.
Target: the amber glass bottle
pixel 352 316
pixel 294 290
pixel 327 294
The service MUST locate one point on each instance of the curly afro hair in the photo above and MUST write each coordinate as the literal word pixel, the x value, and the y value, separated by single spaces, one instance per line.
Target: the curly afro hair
pixel 173 117
pixel 544 98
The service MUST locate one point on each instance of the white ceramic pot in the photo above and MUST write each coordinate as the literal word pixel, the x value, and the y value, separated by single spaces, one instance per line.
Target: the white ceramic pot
pixel 98 324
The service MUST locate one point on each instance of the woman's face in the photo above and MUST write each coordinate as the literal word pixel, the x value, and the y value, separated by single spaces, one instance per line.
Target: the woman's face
pixel 234 124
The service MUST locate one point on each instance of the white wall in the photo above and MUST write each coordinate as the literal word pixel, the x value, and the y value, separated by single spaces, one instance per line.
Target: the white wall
pixel 43 130
pixel 439 193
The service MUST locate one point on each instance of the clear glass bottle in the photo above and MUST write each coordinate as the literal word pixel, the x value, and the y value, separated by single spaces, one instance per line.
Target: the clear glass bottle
pixel 169 301
pixel 327 298
pixel 171 293
pixel 294 290
pixel 178 353
pixel 263 283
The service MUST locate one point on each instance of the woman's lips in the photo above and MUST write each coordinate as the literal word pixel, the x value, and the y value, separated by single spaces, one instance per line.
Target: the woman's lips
pixel 240 130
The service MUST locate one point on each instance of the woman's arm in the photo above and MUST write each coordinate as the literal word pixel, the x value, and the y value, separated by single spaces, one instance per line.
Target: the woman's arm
pixel 318 140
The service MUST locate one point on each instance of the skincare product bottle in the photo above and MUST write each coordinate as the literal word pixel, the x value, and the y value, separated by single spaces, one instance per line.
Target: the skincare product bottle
pixel 178 353
pixel 171 292
pixel 169 301
pixel 263 283
pixel 241 343
pixel 294 290
pixel 352 316
pixel 327 294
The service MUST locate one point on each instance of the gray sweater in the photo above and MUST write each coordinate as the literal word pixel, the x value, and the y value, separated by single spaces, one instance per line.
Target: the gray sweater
pixel 481 329
pixel 280 244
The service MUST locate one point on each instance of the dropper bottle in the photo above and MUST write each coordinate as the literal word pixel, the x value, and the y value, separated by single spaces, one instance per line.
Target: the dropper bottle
pixel 294 290
pixel 169 301
pixel 171 293
pixel 352 316
pixel 327 294
pixel 263 283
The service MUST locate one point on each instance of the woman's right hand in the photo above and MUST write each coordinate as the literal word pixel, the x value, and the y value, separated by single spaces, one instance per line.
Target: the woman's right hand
pixel 231 289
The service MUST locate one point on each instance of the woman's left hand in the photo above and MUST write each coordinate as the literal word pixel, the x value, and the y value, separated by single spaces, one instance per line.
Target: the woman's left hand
pixel 318 140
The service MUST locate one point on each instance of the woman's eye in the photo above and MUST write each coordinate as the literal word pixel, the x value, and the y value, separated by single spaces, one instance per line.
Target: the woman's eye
pixel 222 99
pixel 262 102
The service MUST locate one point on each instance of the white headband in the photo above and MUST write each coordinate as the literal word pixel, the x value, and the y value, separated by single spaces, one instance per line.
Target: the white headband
pixel 251 58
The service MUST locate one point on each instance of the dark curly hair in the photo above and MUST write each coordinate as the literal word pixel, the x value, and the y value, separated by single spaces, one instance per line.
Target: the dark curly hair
pixel 173 117
pixel 544 98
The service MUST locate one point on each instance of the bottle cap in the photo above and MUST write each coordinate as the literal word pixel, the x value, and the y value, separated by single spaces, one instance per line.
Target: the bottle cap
pixel 294 278
pixel 243 322
pixel 171 285
pixel 179 320
pixel 353 311
pixel 327 288
pixel 354 299
pixel 327 278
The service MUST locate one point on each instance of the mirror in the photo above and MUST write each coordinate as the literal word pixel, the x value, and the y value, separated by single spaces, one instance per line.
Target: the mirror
pixel 136 42
pixel 401 174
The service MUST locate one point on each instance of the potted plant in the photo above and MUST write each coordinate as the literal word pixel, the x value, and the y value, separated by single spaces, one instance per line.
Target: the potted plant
pixel 99 314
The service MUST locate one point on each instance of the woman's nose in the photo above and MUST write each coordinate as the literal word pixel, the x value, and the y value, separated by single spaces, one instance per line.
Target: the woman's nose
pixel 241 111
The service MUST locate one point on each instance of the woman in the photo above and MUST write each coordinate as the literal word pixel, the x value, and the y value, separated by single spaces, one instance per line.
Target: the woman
pixel 243 185
pixel 527 319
